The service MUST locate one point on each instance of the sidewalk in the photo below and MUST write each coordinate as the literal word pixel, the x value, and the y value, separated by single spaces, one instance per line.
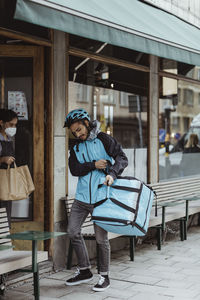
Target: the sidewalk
pixel 172 273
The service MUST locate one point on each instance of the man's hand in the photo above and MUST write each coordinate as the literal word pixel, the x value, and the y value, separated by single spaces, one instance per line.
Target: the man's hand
pixel 101 164
pixel 109 180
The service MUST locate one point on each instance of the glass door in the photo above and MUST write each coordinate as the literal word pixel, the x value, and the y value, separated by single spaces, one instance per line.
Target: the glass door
pixel 22 90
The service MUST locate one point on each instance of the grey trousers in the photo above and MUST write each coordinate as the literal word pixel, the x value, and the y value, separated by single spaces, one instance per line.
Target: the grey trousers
pixel 79 213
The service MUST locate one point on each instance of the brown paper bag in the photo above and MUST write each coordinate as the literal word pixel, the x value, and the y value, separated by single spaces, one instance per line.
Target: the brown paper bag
pixel 15 183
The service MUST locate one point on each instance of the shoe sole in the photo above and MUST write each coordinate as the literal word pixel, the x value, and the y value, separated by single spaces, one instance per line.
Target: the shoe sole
pixel 78 282
pixel 100 289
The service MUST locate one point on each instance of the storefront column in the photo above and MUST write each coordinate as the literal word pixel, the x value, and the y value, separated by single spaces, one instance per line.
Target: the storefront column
pixel 59 96
pixel 153 120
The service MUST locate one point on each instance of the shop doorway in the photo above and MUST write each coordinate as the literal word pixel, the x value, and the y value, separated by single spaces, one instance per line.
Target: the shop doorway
pixel 22 90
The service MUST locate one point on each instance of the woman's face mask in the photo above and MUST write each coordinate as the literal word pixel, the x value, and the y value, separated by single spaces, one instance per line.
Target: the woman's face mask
pixel 10 131
pixel 9 128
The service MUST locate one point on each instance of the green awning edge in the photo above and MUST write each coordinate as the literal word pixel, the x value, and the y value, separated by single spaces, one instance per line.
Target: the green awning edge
pixel 54 19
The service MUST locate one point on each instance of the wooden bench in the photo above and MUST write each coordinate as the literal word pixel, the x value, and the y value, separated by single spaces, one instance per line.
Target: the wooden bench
pixel 176 200
pixel 10 259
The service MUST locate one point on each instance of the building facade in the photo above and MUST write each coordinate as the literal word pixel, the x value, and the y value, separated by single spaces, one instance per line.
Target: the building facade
pixel 142 88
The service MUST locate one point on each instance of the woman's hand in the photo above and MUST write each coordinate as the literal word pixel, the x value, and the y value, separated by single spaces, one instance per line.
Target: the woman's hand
pixel 101 164
pixel 109 180
pixel 7 160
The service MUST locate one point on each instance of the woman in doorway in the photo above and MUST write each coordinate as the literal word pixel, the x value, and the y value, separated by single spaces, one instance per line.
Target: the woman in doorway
pixel 192 144
pixel 8 122
pixel 190 163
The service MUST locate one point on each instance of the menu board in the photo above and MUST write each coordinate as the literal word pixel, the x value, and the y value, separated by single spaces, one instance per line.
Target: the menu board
pixel 17 102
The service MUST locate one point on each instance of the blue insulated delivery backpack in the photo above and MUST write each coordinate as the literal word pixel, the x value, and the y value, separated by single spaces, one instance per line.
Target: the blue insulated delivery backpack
pixel 124 207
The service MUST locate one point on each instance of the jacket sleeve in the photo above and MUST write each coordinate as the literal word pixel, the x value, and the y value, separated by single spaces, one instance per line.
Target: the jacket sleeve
pixel 114 149
pixel 77 168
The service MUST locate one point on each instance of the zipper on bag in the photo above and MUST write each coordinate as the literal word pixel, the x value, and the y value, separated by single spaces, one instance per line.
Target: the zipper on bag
pixel 90 176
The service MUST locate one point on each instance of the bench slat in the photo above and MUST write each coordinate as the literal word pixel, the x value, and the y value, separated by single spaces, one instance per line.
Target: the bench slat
pixel 3 225
pixel 3 214
pixel 3 220
pixel 2 209
pixel 13 260
pixel 4 229
pixel 3 241
pixel 4 232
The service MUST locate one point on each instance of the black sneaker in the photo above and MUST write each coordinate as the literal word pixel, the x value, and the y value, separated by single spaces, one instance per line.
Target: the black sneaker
pixel 102 285
pixel 80 276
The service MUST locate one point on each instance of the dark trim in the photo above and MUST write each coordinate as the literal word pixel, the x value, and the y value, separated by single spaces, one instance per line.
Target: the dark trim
pixel 100 202
pixel 147 209
pixel 177 77
pixel 138 201
pixel 123 188
pixel 84 157
pixel 123 205
pixel 106 59
pixel 90 188
pixel 25 37
pixel 139 227
pixel 125 222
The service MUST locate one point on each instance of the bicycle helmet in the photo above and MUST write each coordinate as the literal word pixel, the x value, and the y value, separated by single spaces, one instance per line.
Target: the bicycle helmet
pixel 76 115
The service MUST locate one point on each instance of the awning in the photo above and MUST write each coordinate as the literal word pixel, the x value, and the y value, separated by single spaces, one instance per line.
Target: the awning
pixel 129 23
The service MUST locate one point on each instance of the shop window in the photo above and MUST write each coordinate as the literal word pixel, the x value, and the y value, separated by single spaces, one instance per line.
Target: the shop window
pixel 83 93
pixel 186 123
pixel 124 99
pixel 175 122
pixel 179 95
pixel 188 97
pixel 177 156
pixel 109 103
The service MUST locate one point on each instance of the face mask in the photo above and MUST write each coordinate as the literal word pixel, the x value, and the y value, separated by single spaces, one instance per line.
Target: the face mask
pixel 11 131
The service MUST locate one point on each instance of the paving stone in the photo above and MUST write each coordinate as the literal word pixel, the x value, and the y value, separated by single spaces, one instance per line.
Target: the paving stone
pixel 121 284
pixel 27 287
pixel 118 293
pixel 82 296
pixel 192 272
pixel 52 288
pixel 119 275
pixel 15 295
pixel 110 298
pixel 117 268
pixel 47 298
pixel 143 296
pixel 143 279
pixel 164 268
pixel 187 293
pixel 175 283
pixel 62 275
pixel 171 293
pixel 136 264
